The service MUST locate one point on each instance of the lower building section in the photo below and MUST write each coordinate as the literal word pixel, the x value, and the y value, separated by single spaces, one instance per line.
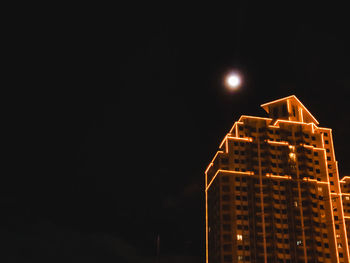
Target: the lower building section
pixel 269 219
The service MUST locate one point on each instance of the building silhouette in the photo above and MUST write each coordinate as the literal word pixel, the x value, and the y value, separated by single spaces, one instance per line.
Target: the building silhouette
pixel 273 192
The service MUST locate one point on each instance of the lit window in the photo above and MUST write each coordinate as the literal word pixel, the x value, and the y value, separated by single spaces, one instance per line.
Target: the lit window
pixel 239 237
pixel 292 156
pixel 347 198
pixel 299 243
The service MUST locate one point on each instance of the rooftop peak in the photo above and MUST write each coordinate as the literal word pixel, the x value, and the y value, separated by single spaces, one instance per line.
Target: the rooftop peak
pixel 289 108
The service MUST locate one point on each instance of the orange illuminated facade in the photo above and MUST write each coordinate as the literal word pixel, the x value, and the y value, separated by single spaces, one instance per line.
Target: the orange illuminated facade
pixel 273 192
pixel 345 196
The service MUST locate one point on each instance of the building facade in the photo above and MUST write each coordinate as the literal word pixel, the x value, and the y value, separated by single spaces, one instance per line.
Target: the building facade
pixel 273 192
pixel 345 197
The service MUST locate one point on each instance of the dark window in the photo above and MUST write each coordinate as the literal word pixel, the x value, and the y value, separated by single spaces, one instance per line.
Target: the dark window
pixel 228 258
pixel 275 112
pixel 227 247
pixel 284 110
pixel 225 188
pixel 225 197
pixel 226 227
pixel 227 237
pixel 225 207
pixel 226 217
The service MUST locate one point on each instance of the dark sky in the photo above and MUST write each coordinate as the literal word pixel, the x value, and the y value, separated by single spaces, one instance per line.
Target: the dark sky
pixel 131 108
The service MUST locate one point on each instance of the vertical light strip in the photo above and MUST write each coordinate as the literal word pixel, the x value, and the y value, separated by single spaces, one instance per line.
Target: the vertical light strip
pixel 342 216
pixel 301 114
pixel 262 201
pixel 288 107
pixel 330 198
pixel 301 212
pixel 206 220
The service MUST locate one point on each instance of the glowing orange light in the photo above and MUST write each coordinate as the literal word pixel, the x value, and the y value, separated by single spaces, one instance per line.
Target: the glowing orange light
pixel 253 117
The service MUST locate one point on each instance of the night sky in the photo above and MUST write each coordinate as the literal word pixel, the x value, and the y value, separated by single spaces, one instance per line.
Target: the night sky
pixel 111 149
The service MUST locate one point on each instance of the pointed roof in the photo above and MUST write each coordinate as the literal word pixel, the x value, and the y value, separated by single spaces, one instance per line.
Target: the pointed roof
pixel 294 99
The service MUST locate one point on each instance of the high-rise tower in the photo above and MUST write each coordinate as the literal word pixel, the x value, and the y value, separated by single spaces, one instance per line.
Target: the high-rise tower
pixel 273 191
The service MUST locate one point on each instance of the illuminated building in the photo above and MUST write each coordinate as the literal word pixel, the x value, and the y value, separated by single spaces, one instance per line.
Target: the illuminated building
pixel 273 191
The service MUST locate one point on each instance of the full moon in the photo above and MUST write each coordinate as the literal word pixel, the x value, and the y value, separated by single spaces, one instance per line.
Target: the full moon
pixel 233 81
